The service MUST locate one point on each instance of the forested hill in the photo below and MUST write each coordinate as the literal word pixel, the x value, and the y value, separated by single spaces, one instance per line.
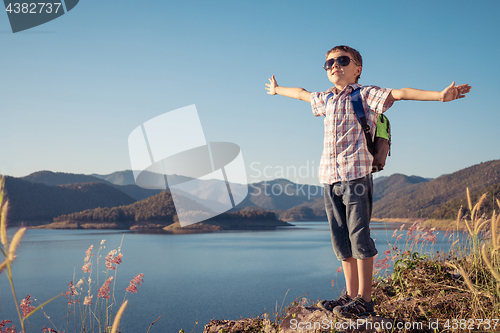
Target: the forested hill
pixel 394 183
pixel 422 199
pixel 280 194
pixel 449 210
pixel 61 178
pixel 160 211
pixel 40 202
pixel 156 208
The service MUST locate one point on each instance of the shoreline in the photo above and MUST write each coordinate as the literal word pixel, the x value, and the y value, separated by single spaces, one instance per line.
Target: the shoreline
pixel 174 228
pixel 442 225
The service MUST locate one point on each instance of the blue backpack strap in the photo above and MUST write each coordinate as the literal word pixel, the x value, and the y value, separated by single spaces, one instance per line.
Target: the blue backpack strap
pixel 328 97
pixel 357 104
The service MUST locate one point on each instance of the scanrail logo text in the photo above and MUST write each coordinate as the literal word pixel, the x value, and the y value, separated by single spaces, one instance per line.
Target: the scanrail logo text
pixel 170 152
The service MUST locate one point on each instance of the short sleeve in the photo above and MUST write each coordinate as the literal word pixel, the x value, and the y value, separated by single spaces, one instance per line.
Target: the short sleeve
pixel 318 103
pixel 376 98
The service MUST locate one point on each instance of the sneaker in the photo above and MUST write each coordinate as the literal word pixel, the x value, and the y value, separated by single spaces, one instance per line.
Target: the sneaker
pixel 330 305
pixel 355 308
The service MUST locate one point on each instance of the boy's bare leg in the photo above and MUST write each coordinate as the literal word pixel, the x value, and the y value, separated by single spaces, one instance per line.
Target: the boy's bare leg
pixel 358 275
pixel 350 267
pixel 365 275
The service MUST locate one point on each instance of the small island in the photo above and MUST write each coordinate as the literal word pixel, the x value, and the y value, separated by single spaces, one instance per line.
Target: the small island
pixel 157 213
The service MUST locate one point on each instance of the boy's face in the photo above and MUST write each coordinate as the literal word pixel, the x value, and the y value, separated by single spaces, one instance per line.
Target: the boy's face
pixel 341 76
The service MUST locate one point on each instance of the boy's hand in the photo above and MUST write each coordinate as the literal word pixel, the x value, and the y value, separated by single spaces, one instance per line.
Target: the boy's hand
pixel 298 93
pixel 271 86
pixel 453 92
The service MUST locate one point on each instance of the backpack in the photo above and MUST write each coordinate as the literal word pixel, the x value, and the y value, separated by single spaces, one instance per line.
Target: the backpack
pixel 379 147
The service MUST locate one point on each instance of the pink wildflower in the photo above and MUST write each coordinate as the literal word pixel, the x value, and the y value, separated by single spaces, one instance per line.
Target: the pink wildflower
pixel 104 290
pixel 70 293
pixel 86 268
pixel 417 238
pixel 382 263
pixel 71 290
pixel 333 282
pixel 109 257
pixel 387 252
pixel 88 300
pixel 395 233
pixel 26 306
pixel 132 288
pixel 89 253
pixel 410 231
pixel 112 260
pixel 136 281
pixel 339 270
pixel 399 237
pixel 11 329
pixel 431 238
pixel 118 259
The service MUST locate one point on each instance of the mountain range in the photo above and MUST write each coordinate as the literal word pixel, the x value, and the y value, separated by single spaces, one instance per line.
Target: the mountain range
pixel 423 199
pixel 46 195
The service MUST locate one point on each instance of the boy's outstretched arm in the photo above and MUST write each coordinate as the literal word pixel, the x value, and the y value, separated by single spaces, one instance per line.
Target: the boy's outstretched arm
pixel 450 93
pixel 298 93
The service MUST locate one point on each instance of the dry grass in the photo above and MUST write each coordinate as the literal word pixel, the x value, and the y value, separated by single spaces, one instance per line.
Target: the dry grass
pixel 463 284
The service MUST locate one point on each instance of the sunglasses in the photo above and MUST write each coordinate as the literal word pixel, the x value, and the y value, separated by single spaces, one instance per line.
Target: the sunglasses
pixel 341 61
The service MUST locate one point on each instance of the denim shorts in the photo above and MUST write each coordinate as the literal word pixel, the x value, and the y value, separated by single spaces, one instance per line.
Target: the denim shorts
pixel 349 209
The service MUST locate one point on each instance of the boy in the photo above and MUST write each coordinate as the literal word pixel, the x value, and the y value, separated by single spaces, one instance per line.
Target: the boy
pixel 346 163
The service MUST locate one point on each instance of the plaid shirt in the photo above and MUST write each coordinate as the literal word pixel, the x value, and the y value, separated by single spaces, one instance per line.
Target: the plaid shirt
pixel 345 154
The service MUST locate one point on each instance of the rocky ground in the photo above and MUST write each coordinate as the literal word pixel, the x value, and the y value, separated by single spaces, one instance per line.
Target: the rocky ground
pixel 302 319
pixel 424 296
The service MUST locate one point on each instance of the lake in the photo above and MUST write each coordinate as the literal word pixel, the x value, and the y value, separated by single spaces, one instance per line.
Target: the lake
pixel 187 278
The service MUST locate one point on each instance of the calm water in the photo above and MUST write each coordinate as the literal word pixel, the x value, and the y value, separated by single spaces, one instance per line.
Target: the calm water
pixel 192 277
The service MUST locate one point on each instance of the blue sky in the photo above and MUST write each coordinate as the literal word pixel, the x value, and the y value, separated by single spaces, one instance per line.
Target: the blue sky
pixel 73 89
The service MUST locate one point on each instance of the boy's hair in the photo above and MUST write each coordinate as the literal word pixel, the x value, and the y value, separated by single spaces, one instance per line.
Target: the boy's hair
pixel 356 56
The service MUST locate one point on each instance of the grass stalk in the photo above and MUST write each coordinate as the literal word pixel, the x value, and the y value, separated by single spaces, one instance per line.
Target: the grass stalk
pixel 11 281
pixel 153 324
pixel 116 322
